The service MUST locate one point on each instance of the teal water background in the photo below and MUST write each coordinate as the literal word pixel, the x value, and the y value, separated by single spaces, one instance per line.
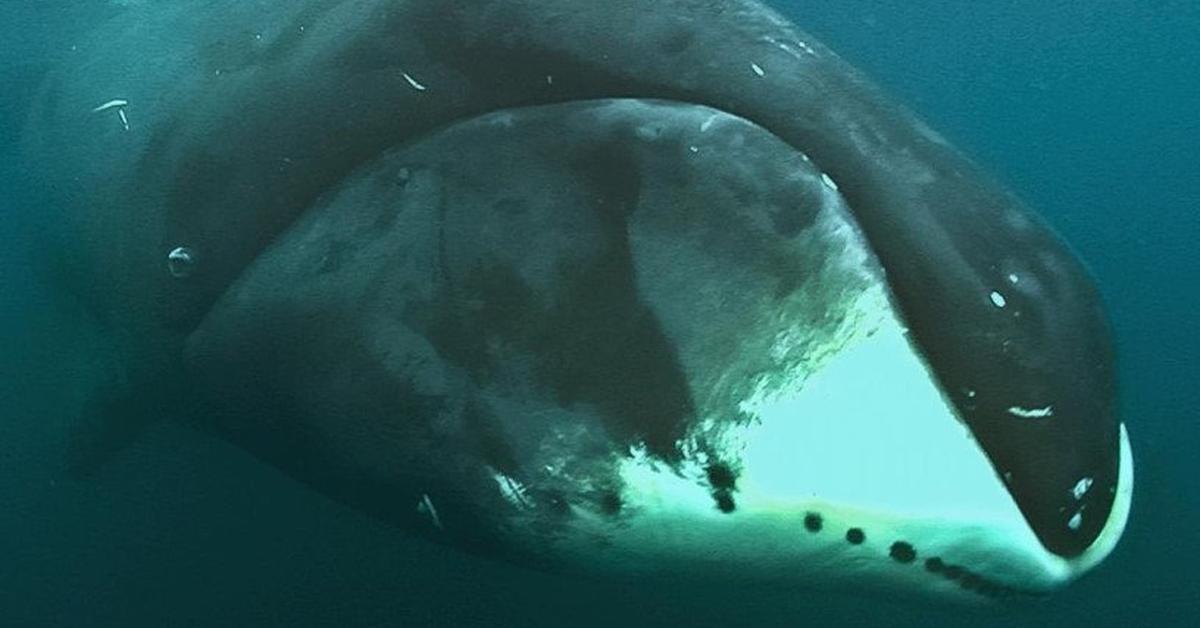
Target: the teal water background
pixel 1090 110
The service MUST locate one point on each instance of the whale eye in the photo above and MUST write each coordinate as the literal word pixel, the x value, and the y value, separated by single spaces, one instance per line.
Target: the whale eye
pixel 181 262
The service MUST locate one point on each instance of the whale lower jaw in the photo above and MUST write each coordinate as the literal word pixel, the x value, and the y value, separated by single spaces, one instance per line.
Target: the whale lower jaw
pixel 831 497
pixel 966 560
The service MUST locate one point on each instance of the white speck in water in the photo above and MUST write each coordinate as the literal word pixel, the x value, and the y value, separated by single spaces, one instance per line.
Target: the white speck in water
pixel 971 394
pixel 829 182
pixel 693 149
pixel 1013 279
pixel 757 69
pixel 413 82
pixel 1076 521
pixel 1032 413
pixel 549 79
pixel 998 299
pixel 1081 488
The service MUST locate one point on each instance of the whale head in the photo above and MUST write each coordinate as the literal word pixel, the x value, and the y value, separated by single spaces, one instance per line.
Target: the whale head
pixel 663 289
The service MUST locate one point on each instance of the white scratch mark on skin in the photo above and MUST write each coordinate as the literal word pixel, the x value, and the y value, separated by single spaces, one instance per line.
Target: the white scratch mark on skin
pixel 758 69
pixel 1032 413
pixel 425 507
pixel 549 79
pixel 116 102
pixel 707 124
pixel 789 49
pixel 413 82
pixel 512 490
pixel 1081 488
pixel 119 104
pixel 998 299
pixel 829 182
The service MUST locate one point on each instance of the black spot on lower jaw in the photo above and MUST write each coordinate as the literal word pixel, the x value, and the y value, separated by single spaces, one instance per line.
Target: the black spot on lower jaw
pixel 969 581
pixel 813 522
pixel 855 536
pixel 721 477
pixel 723 482
pixel 902 552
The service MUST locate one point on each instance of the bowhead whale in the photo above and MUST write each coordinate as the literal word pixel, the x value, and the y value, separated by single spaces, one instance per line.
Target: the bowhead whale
pixel 651 287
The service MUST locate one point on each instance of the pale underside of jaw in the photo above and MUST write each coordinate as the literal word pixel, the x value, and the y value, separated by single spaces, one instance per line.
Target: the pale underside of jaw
pixel 854 473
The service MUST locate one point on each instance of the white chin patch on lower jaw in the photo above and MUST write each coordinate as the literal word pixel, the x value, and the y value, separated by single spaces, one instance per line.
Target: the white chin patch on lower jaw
pixel 855 474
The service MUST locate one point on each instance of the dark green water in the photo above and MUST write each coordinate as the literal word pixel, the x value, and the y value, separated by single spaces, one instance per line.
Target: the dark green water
pixel 1088 110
